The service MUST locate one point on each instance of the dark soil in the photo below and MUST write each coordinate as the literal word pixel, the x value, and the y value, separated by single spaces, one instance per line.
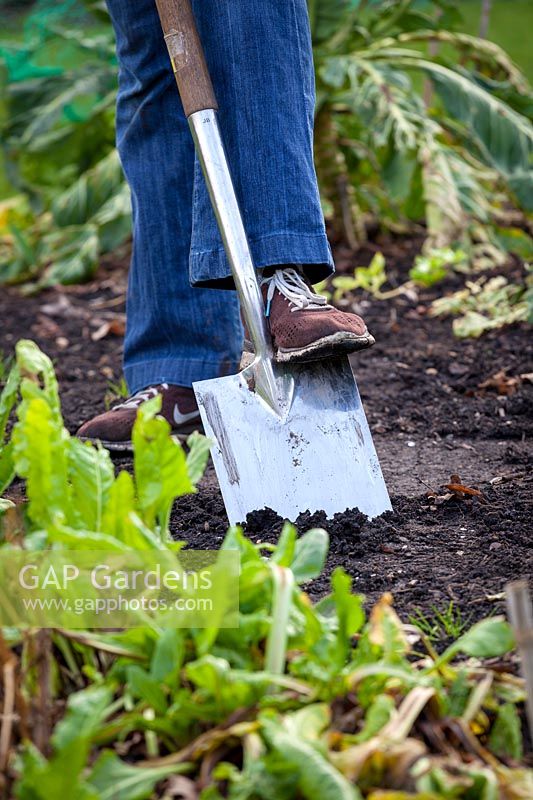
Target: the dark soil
pixel 429 414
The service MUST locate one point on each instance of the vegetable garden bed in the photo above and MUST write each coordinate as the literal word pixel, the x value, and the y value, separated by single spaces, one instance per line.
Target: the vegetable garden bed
pixel 436 407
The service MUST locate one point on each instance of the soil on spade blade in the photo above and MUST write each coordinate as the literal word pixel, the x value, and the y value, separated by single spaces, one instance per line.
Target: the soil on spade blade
pixel 437 406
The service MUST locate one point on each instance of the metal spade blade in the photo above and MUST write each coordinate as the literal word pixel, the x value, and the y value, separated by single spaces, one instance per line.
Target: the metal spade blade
pixel 318 455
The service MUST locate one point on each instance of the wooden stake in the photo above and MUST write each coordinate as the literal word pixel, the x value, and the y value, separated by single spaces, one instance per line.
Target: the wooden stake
pixel 520 613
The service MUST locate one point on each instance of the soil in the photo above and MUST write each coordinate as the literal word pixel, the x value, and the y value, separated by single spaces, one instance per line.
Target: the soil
pixel 434 407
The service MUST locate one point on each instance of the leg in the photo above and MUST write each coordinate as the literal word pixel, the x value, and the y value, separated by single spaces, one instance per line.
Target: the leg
pixel 260 58
pixel 175 334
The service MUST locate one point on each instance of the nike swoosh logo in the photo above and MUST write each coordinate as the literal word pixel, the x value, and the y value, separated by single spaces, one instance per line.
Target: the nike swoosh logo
pixel 181 419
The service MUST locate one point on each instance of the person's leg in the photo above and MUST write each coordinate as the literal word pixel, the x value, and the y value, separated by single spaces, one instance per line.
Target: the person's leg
pixel 174 334
pixel 260 59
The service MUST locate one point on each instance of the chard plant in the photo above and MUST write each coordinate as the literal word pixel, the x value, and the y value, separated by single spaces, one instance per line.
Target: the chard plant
pixel 302 700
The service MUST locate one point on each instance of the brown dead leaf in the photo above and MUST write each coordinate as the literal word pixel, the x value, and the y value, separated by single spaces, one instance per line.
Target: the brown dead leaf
pixel 62 306
pixel 460 488
pixel 114 327
pixel 500 382
pixel 443 498
pixel 45 328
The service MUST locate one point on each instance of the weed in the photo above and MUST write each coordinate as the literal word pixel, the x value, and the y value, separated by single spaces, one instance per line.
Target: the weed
pixel 5 366
pixel 115 391
pixel 441 624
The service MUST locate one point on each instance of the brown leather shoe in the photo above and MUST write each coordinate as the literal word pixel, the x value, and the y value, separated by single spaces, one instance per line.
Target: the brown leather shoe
pixel 303 325
pixel 113 429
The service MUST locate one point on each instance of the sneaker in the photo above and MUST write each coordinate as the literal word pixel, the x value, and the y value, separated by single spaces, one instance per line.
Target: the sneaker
pixel 303 325
pixel 113 429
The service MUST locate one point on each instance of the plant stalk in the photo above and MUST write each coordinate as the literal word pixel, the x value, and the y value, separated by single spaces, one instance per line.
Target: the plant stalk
pixel 520 612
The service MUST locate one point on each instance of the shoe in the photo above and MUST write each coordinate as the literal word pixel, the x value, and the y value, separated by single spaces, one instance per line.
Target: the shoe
pixel 304 327
pixel 113 429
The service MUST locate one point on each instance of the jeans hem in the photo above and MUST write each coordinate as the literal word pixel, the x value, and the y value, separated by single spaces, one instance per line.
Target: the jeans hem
pixel 312 251
pixel 175 372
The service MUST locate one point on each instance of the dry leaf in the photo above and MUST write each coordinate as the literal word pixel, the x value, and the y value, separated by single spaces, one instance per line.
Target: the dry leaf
pixel 115 327
pixel 501 383
pixel 459 488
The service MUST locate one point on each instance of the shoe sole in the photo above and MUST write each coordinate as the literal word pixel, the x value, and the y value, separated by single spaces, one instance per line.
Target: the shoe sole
pixel 127 447
pixel 337 344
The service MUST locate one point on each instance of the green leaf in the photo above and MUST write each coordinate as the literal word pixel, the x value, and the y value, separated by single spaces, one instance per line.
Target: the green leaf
pixel 349 609
pixel 310 555
pixel 49 113
pixel 327 18
pixel 7 466
pixel 506 734
pixel 317 777
pixel 146 688
pixel 87 196
pixel 37 366
pixel 61 775
pixel 115 780
pixel 91 475
pixel 199 447
pixel 160 465
pixel 73 253
pixel 78 539
pixel 487 639
pixel 40 454
pixel 168 656
pixel 433 267
pixel 517 241
pixel 116 519
pixel 308 723
pixel 471 325
pixel 8 398
pixel 376 717
pixel 85 712
pixel 284 552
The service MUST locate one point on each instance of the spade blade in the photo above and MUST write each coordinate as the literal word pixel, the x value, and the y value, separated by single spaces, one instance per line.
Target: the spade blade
pixel 318 456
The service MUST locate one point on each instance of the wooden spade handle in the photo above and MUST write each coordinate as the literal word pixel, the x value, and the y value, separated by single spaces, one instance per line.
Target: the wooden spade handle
pixel 186 55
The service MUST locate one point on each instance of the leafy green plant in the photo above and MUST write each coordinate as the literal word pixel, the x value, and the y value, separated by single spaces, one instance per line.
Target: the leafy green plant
pixel 442 623
pixel 75 496
pixel 433 267
pixel 382 150
pixel 300 699
pixel 115 391
pixel 370 278
pixel 58 138
pixel 487 304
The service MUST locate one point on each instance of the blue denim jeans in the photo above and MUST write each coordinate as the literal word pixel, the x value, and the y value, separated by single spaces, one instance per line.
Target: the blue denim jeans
pixel 260 58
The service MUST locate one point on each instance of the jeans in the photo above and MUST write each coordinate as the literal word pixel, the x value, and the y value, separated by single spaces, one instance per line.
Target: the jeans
pixel 260 58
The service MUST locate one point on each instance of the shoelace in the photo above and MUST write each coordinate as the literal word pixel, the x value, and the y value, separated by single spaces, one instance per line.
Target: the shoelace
pixel 140 397
pixel 291 285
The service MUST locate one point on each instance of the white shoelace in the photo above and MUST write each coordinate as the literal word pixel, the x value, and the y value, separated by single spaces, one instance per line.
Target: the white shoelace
pixel 140 397
pixel 291 285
